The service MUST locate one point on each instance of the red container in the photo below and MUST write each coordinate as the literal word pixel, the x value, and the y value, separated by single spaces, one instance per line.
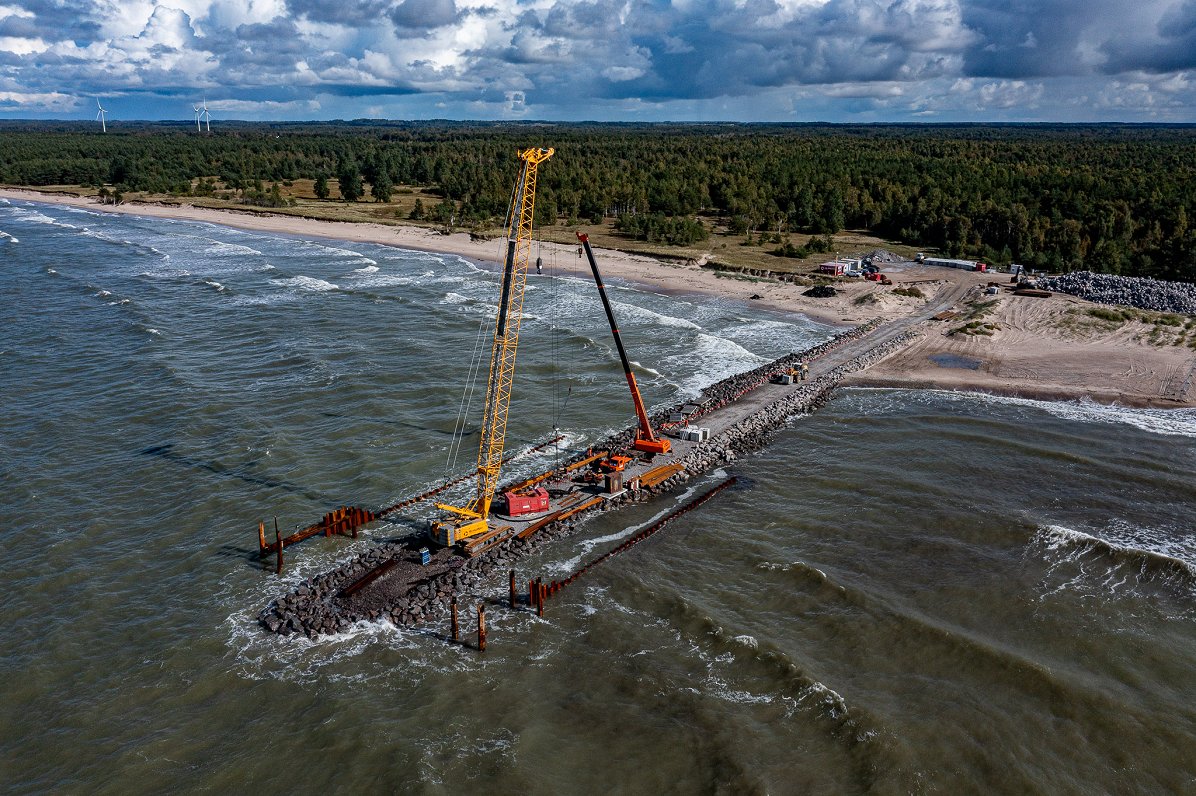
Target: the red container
pixel 533 502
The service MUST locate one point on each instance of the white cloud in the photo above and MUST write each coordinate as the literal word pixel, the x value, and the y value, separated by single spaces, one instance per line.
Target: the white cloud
pixel 19 45
pixel 52 102
pixel 986 58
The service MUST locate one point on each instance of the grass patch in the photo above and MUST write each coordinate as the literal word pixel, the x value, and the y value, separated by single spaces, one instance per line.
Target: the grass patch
pixel 975 328
pixel 1111 315
pixel 867 298
pixel 741 277
pixel 912 292
pixel 979 310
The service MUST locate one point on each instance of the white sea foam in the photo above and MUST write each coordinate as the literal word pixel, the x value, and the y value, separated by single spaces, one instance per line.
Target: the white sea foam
pixel 5 236
pixel 624 310
pixel 718 358
pixel 336 251
pixel 28 214
pixel 369 269
pixel 646 369
pixel 221 248
pixel 774 335
pixel 215 284
pixel 1167 422
pixel 1124 537
pixel 307 283
pixel 1117 559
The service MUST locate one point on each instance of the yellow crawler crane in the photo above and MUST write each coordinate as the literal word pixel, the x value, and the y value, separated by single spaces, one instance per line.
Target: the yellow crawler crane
pixel 473 519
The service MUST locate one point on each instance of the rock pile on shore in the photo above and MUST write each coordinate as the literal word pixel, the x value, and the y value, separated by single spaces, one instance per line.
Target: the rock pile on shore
pixel 1128 291
pixel 316 607
pixel 883 257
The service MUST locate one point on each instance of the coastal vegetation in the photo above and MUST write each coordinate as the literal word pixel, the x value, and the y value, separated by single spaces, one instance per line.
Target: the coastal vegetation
pixel 1112 199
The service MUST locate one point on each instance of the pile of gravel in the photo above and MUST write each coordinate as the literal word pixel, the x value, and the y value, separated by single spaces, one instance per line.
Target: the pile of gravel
pixel 878 256
pixel 821 291
pixel 1128 291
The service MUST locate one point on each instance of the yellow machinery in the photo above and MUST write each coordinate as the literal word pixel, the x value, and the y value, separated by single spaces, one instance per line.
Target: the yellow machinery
pixel 473 519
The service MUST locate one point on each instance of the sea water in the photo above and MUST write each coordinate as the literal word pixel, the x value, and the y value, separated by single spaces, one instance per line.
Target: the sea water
pixel 907 592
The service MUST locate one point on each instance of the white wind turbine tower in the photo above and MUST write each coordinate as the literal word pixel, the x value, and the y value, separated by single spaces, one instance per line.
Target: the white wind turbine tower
pixel 206 116
pixel 196 109
pixel 102 116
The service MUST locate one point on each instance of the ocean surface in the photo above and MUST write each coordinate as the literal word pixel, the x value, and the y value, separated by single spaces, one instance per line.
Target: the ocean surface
pixel 908 592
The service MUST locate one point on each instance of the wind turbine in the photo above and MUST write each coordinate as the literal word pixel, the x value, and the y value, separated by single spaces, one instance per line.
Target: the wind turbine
pixel 196 109
pixel 102 116
pixel 206 116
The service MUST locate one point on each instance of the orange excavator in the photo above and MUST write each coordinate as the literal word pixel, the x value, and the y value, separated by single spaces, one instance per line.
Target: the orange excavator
pixel 646 439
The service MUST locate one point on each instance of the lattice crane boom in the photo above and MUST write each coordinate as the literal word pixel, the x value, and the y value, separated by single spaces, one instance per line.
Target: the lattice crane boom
pixel 473 518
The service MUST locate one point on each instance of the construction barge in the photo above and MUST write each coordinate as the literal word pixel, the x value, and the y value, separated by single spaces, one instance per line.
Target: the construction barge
pixel 405 582
pixel 391 582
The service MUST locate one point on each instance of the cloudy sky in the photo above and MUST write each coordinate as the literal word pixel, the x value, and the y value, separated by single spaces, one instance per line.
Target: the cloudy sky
pixel 650 60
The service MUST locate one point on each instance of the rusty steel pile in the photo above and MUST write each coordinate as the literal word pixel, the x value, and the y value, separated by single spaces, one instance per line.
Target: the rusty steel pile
pixel 412 592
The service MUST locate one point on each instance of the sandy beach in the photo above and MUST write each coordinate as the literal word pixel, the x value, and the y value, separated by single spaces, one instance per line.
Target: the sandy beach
pixel 1039 348
pixel 650 273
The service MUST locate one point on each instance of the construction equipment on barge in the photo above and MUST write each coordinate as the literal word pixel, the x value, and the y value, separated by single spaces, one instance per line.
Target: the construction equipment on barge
pixel 462 522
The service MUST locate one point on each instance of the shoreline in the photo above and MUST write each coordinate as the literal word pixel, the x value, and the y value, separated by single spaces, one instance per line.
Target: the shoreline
pixel 1052 393
pixel 1033 355
pixel 653 274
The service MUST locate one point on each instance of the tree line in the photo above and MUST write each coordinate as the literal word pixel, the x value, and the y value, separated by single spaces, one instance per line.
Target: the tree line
pixel 1112 198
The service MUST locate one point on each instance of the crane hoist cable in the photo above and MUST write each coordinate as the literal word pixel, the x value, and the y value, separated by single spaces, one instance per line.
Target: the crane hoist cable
pixel 466 401
pixel 462 522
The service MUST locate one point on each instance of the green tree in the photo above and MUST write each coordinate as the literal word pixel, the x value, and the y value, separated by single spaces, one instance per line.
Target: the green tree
pixel 349 178
pixel 381 187
pixel 417 212
pixel 320 187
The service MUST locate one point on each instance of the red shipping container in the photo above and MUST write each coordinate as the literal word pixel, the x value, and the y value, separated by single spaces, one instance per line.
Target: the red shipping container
pixel 532 502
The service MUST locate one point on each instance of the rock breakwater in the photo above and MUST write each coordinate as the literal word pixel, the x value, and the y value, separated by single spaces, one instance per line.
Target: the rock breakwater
pixel 412 593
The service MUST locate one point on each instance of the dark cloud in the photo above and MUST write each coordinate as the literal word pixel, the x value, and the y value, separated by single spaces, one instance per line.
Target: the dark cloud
pixel 63 20
pixel 1019 40
pixel 346 12
pixel 20 27
pixel 424 14
pixel 1174 50
pixel 261 49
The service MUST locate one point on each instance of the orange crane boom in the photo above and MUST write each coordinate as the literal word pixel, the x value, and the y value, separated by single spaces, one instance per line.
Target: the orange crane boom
pixel 645 439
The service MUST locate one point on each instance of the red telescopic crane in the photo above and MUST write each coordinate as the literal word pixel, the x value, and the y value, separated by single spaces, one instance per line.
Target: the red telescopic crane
pixel 645 439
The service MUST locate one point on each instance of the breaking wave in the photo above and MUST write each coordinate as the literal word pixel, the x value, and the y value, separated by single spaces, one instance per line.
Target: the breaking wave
pixel 1167 422
pixel 306 283
pixel 1118 559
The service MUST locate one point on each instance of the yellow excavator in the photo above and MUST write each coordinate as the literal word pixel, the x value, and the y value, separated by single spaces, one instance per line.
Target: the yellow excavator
pixel 463 522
